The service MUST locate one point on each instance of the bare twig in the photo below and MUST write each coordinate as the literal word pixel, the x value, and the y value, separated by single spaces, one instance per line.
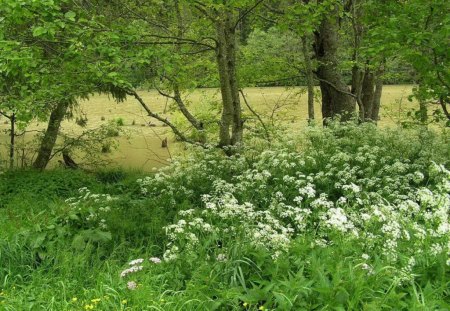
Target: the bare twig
pixel 152 114
pixel 248 11
pixel 256 115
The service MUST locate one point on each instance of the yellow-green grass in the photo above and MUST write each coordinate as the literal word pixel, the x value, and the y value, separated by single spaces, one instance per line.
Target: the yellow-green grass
pixel 142 148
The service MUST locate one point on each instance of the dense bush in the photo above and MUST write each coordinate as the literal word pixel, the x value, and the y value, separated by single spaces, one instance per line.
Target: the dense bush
pixel 357 219
pixel 33 185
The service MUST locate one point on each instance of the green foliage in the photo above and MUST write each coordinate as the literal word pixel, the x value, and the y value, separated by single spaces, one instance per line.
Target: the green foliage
pixel 271 58
pixel 348 217
pixel 91 145
pixel 111 176
pixel 217 224
pixel 30 186
pixel 418 31
pixel 119 122
pixel 231 253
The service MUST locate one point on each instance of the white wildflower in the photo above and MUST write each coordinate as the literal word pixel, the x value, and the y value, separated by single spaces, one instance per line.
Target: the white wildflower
pixel 221 257
pixel 136 262
pixel 131 285
pixel 155 260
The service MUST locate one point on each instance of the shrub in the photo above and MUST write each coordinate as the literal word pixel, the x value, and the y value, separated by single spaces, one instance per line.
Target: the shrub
pixel 120 122
pixel 357 218
pixel 40 187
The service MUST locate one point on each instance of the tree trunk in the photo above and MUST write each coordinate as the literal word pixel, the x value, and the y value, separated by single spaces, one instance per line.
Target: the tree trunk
pixel 356 89
pixel 238 125
pixel 336 97
pixel 176 89
pixel 49 140
pixel 309 78
pixel 423 112
pixel 12 141
pixel 231 125
pixel 184 110
pixel 377 98
pixel 225 90
pixel 357 79
pixel 358 75
pixel 367 94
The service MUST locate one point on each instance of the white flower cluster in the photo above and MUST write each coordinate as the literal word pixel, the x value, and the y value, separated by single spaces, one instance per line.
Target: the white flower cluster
pixel 384 206
pixel 130 270
pixel 92 207
pixel 136 265
pixel 337 219
pixel 228 219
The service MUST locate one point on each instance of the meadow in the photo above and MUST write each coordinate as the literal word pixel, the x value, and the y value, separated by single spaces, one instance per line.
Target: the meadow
pixel 348 217
pixel 139 148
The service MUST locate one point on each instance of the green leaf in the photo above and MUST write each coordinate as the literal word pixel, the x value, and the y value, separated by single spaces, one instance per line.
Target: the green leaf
pixel 98 236
pixel 70 16
pixel 38 240
pixel 73 216
pixel 39 31
pixel 79 242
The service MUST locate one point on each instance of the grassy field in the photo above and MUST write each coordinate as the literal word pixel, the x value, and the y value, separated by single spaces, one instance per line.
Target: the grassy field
pixel 141 148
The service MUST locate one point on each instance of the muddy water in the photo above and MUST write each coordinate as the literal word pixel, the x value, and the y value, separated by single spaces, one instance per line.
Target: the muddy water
pixel 141 147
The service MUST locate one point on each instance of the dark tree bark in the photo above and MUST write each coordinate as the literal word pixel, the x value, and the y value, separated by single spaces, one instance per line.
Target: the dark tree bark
pixel 309 78
pixel 12 144
pixel 336 97
pixel 443 104
pixel 68 161
pixel 363 79
pixel 49 140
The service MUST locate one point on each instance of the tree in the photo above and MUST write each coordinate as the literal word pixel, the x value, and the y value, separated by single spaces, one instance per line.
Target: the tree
pixel 21 83
pixel 336 97
pixel 417 32
pixel 225 18
pixel 64 66
pixel 213 26
pixel 423 30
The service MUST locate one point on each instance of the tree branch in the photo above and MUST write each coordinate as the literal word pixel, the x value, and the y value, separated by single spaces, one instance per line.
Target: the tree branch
pixel 156 116
pixel 247 12
pixel 444 107
pixel 336 88
pixel 182 40
pixel 256 115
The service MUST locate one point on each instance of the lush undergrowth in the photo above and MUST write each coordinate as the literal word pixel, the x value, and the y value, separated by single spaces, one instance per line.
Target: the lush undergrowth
pixel 346 218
